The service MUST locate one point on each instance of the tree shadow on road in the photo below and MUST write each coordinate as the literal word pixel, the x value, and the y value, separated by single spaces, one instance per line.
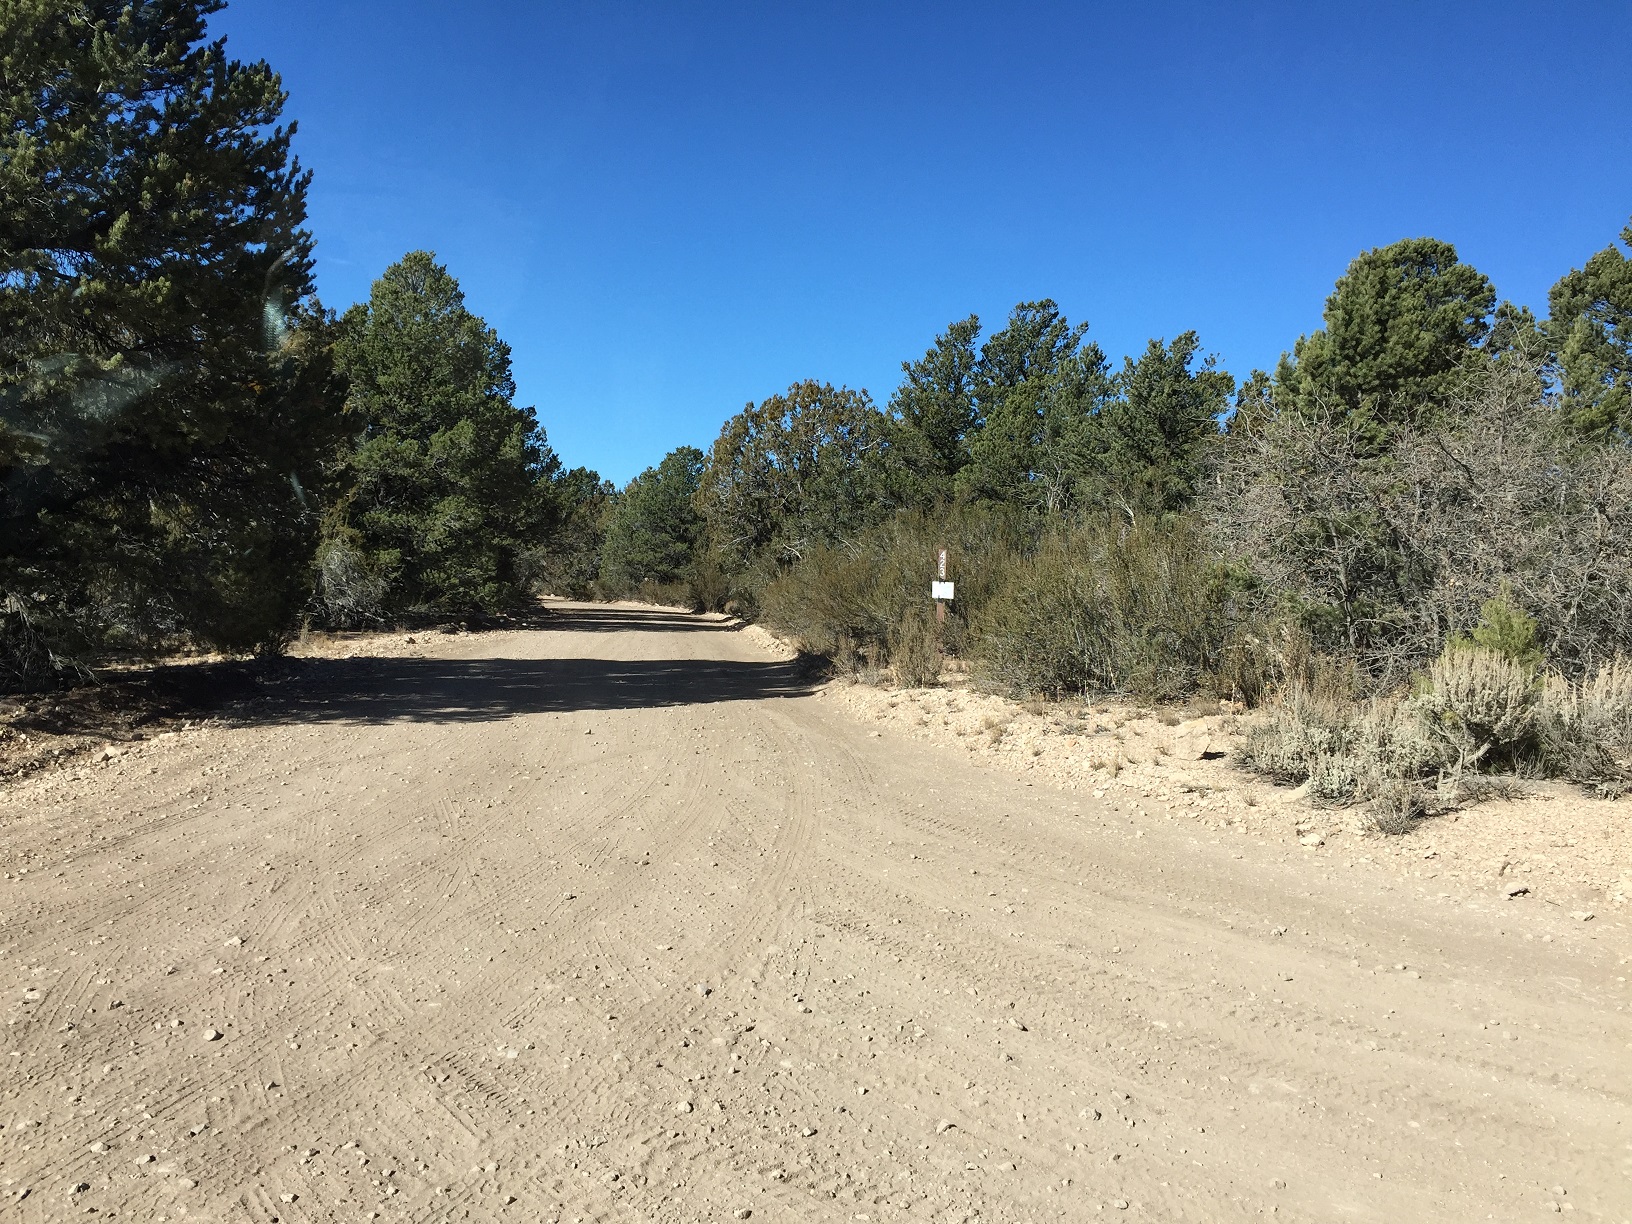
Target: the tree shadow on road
pixel 381 690
pixel 601 618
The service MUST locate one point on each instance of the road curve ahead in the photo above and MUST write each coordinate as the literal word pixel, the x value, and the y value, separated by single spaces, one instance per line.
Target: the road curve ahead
pixel 620 919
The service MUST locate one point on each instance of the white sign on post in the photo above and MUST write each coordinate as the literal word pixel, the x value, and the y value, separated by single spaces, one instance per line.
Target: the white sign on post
pixel 940 590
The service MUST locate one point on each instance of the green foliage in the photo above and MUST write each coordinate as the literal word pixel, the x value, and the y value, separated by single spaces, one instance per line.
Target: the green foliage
pixel 654 526
pixel 578 504
pixel 936 407
pixel 1155 433
pixel 167 401
pixel 447 483
pixel 860 595
pixel 1504 629
pixel 1400 325
pixel 1037 389
pixel 793 473
pixel 1110 607
pixel 1591 328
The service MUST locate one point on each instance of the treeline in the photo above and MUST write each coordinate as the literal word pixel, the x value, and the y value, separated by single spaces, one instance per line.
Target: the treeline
pixel 1412 537
pixel 193 450
pixel 1427 504
pixel 1156 527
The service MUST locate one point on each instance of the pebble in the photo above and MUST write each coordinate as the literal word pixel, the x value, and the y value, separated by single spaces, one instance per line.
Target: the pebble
pixel 1582 915
pixel 683 1107
pixel 1308 839
pixel 1121 1204
pixel 212 1034
pixel 1517 890
pixel 742 1213
pixel 943 1126
pixel 143 1160
pixel 287 1198
pixel 702 989
pixel 808 1131
pixel 188 1183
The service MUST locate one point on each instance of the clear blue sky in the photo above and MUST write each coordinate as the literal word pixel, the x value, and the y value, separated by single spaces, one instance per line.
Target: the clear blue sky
pixel 671 209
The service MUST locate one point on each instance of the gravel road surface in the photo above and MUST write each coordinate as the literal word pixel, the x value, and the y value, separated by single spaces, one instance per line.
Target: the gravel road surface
pixel 622 919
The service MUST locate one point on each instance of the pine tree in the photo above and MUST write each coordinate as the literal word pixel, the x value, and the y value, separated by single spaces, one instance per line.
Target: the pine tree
pixel 1401 326
pixel 1037 388
pixel 448 483
pixel 1591 328
pixel 166 405
pixel 936 400
pixel 654 527
pixel 1155 433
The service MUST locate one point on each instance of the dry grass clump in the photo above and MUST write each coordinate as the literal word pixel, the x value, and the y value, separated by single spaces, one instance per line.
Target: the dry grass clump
pixel 915 649
pixel 1476 711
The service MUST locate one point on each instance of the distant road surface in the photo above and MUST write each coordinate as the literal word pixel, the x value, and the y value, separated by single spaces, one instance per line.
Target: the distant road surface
pixel 620 920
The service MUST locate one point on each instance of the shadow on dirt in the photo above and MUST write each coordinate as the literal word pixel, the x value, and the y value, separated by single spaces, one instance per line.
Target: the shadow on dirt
pixel 477 690
pixel 378 690
pixel 590 618
pixel 42 729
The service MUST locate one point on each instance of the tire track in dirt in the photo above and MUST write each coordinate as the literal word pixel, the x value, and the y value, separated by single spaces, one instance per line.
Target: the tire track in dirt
pixel 416 980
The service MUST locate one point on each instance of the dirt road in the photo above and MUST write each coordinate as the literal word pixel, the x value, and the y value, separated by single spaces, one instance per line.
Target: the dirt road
pixel 620 921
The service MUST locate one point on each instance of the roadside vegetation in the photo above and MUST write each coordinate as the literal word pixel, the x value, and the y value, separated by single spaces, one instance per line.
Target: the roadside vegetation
pixel 1409 542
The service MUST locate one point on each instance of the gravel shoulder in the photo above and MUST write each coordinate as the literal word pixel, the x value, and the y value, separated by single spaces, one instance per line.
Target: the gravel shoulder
pixel 626 919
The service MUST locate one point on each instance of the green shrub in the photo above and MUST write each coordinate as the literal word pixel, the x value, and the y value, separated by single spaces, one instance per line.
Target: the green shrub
pixel 863 591
pixel 1112 608
pixel 1506 630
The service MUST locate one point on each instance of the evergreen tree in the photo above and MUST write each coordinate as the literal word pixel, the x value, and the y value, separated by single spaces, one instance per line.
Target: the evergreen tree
pixel 1591 329
pixel 936 399
pixel 653 530
pixel 166 404
pixel 449 481
pixel 793 471
pixel 1401 324
pixel 1037 389
pixel 1156 432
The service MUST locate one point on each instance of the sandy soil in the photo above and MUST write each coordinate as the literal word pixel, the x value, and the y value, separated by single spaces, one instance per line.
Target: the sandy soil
pixel 1562 847
pixel 623 920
